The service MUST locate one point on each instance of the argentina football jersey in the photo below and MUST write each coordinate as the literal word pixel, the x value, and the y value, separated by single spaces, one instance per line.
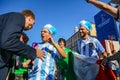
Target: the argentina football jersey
pixel 90 47
pixel 44 70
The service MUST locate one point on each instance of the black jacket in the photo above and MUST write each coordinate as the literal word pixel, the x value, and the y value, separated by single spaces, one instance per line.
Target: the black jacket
pixel 11 27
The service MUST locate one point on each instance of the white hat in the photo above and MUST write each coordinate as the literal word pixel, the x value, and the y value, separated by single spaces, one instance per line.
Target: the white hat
pixel 86 24
pixel 51 28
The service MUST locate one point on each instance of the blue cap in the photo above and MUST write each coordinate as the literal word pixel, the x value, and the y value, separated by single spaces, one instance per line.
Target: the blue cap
pixel 51 28
pixel 86 24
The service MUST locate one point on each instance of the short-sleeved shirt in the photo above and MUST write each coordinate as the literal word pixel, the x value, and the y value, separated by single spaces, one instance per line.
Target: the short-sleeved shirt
pixel 63 62
pixel 90 47
pixel 44 70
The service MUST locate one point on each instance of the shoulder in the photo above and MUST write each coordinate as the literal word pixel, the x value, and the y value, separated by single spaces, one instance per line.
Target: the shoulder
pixel 94 39
pixel 79 41
pixel 12 14
pixel 16 14
pixel 67 49
pixel 13 17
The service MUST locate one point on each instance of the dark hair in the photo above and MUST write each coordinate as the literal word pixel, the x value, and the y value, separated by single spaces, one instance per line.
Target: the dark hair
pixel 25 38
pixel 28 13
pixel 61 39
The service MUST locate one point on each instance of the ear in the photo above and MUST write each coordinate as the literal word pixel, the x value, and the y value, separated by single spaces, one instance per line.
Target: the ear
pixel 50 35
pixel 87 31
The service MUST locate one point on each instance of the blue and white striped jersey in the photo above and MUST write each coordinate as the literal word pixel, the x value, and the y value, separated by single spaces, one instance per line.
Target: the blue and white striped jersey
pixel 90 47
pixel 44 70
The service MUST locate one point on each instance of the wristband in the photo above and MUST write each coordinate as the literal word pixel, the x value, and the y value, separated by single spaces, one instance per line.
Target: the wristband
pixel 55 44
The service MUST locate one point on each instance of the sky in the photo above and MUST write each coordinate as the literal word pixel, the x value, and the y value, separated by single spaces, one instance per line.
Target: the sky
pixel 62 14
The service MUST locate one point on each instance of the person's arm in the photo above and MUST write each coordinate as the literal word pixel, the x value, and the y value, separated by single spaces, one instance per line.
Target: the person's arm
pixel 110 58
pixel 104 54
pixel 105 7
pixel 11 28
pixel 29 62
pixel 26 64
pixel 116 56
pixel 59 49
pixel 100 49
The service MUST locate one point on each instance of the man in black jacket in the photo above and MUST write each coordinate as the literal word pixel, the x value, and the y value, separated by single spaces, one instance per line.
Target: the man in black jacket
pixel 11 27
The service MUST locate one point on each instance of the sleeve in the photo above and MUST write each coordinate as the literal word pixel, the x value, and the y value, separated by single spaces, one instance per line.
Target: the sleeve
pixel 10 37
pixel 14 45
pixel 100 48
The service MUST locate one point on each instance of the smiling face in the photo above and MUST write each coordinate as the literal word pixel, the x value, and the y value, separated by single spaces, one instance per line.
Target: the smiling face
pixel 83 32
pixel 29 21
pixel 61 43
pixel 45 35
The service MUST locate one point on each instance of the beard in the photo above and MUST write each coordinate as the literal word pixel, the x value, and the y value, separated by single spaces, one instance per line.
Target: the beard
pixel 28 27
pixel 82 35
pixel 25 29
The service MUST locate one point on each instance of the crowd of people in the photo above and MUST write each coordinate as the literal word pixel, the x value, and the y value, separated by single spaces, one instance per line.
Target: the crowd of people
pixel 50 60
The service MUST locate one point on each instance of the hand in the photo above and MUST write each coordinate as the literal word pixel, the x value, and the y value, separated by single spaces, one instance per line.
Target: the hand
pixel 40 53
pixel 51 41
pixel 28 63
pixel 25 65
